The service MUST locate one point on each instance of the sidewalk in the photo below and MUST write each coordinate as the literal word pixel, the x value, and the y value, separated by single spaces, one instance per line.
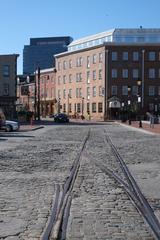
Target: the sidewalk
pixel 145 126
pixel 29 127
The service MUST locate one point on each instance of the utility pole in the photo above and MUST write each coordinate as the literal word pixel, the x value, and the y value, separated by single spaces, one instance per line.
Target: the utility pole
pixel 38 106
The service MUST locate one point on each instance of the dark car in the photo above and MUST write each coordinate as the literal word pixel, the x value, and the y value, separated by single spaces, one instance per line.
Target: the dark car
pixel 61 117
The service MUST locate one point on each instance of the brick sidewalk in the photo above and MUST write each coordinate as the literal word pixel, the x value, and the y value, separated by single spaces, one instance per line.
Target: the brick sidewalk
pixel 145 126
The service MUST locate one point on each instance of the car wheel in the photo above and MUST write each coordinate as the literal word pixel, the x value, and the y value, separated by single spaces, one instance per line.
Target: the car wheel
pixel 9 128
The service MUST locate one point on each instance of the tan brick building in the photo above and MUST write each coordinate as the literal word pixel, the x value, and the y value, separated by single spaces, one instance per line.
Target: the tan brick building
pixel 109 73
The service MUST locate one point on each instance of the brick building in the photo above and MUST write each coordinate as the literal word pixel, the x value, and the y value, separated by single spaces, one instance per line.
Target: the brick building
pixel 109 73
pixel 47 91
pixel 8 84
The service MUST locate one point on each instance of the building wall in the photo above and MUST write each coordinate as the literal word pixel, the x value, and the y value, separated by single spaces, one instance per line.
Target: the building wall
pixel 47 92
pixel 128 73
pixel 144 64
pixel 8 81
pixel 72 84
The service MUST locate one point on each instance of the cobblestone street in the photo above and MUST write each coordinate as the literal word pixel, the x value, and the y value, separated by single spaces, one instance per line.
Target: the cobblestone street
pixel 33 162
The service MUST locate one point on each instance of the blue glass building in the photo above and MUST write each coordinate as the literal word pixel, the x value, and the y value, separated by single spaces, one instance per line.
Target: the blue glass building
pixel 41 52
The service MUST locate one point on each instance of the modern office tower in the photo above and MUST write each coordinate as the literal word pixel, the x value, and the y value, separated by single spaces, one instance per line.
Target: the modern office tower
pixel 110 73
pixel 41 52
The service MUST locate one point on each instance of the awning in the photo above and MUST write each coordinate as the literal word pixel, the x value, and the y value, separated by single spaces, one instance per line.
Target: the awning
pixel 114 104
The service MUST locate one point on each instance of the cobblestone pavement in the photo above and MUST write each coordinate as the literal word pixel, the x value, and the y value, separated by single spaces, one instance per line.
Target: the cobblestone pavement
pixel 32 163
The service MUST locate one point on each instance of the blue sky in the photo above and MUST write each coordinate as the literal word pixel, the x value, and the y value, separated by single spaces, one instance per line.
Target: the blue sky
pixel 21 20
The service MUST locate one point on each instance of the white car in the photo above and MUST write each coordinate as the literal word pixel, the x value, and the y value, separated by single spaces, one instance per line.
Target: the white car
pixel 11 126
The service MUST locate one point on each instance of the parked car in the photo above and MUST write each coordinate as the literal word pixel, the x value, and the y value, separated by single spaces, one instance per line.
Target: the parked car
pixel 10 126
pixel 61 117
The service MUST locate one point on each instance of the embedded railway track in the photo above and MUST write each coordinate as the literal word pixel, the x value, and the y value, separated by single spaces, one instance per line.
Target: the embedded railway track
pixel 132 189
pixel 57 223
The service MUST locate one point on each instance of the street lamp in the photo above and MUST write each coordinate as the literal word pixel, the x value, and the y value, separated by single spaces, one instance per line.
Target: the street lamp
pixel 28 92
pixel 129 104
pixel 139 82
pixel 38 103
pixel 82 108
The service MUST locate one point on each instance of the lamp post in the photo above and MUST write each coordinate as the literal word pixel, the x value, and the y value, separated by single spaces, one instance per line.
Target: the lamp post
pixel 28 92
pixel 139 102
pixel 129 105
pixel 38 103
pixel 82 108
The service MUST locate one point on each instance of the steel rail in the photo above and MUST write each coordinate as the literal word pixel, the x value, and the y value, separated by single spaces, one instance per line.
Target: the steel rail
pixel 57 224
pixel 139 199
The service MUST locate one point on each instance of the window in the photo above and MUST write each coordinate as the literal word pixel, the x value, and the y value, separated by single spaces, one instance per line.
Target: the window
pixel 151 106
pixel 100 107
pixel 159 73
pixel 135 90
pixel 70 78
pixel 88 93
pixel 124 90
pixel 64 79
pixel 135 73
pixel 135 56
pixel 64 93
pixel 125 56
pixel 151 73
pixel 125 73
pixel 88 76
pixel 94 75
pixel 100 57
pixel 6 89
pixel 151 90
pixel 79 62
pixel 114 56
pixel 78 92
pixel 70 93
pixel 93 107
pixel 64 107
pixel 88 62
pixel 94 91
pixel 64 65
pixel 114 73
pixel 6 71
pixel 158 90
pixel 100 73
pixel 114 90
pixel 152 56
pixel 78 77
pixel 70 107
pixel 94 58
pixel 70 63
pixel 59 93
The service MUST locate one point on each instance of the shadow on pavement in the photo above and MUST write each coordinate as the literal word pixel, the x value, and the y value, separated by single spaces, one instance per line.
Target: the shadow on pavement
pixel 78 122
